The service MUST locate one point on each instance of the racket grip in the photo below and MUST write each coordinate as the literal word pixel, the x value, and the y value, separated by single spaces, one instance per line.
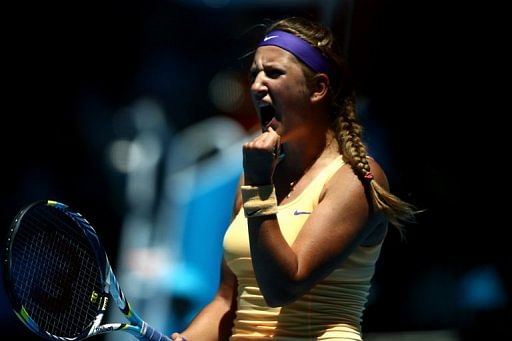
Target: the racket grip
pixel 154 335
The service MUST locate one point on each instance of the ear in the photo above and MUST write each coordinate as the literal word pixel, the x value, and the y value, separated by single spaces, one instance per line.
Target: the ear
pixel 320 87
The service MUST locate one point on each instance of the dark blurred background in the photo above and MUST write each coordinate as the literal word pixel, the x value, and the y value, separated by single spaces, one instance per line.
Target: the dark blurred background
pixel 427 75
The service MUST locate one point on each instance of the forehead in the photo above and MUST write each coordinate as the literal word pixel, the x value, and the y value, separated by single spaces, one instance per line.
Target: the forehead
pixel 272 54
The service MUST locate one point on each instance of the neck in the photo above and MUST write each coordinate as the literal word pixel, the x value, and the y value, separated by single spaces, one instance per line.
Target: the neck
pixel 302 155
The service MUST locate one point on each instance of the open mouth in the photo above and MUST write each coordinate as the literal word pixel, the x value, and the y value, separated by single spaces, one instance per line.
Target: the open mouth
pixel 267 113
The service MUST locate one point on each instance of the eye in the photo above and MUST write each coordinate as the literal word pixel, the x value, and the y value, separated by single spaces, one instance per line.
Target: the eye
pixel 273 73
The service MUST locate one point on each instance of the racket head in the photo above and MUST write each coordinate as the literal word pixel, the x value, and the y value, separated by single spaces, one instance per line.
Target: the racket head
pixel 54 271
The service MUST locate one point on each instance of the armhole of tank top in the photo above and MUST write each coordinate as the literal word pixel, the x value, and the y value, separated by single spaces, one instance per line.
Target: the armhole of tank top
pixel 328 178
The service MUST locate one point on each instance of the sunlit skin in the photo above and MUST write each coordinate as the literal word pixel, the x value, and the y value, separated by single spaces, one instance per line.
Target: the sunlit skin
pixel 300 126
pixel 277 80
pixel 341 221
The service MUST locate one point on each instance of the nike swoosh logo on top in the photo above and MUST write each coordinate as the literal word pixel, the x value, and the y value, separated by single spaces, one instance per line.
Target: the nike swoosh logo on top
pixel 269 37
pixel 301 212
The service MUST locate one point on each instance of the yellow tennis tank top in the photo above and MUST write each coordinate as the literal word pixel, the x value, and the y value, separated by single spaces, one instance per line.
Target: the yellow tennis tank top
pixel 331 310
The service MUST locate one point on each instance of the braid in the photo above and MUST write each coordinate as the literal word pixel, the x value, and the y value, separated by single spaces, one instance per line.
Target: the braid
pixel 348 134
pixel 347 129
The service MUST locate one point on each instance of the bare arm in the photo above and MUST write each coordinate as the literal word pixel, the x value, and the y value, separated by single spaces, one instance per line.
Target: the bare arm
pixel 215 320
pixel 340 222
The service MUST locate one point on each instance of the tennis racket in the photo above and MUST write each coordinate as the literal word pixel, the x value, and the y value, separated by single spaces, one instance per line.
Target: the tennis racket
pixel 58 277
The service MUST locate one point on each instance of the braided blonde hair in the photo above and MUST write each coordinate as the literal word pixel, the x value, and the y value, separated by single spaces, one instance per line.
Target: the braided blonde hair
pixel 348 130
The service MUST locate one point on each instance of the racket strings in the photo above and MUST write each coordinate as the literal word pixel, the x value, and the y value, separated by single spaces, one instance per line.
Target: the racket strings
pixel 55 271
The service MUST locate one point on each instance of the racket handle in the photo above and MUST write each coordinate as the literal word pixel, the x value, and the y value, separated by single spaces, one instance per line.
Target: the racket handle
pixel 154 335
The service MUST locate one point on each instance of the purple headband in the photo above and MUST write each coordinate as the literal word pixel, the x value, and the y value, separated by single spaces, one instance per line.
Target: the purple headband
pixel 300 48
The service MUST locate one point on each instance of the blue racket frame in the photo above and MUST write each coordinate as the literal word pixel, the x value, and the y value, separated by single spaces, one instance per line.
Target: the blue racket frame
pixel 111 288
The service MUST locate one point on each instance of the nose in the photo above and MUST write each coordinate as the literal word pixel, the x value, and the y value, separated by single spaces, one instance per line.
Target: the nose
pixel 258 87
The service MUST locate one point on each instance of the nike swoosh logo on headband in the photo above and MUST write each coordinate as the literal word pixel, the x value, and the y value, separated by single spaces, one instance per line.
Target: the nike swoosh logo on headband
pixel 297 212
pixel 269 37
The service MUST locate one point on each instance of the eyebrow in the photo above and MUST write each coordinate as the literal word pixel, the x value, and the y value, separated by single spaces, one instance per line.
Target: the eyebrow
pixel 266 64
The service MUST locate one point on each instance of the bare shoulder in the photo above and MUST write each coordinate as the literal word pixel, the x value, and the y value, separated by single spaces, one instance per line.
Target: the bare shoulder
pixel 378 173
pixel 349 192
pixel 346 177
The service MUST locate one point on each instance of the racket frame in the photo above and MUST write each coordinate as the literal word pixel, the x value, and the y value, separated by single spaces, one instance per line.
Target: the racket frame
pixel 111 289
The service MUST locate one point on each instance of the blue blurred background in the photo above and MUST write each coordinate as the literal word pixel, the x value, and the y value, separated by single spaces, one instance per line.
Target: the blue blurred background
pixel 134 112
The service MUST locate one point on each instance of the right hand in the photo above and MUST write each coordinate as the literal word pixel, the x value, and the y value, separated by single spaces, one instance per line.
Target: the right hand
pixel 260 158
